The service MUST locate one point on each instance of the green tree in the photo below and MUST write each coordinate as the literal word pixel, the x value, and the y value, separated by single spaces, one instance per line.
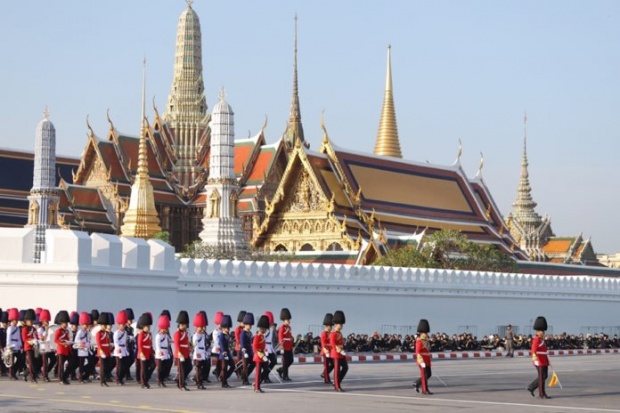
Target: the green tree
pixel 198 249
pixel 162 235
pixel 449 249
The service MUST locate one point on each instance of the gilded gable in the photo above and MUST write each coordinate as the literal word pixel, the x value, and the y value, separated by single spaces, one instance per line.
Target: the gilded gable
pixel 97 174
pixel 304 196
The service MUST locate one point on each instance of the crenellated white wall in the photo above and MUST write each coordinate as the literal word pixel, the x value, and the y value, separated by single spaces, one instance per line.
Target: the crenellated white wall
pixel 109 273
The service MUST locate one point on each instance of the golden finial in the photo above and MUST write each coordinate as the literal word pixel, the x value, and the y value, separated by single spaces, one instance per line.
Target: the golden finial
pixel 387 143
pixel 107 114
pixel 501 229
pixel 46 113
pixel 325 137
pixel 488 212
pixel 92 133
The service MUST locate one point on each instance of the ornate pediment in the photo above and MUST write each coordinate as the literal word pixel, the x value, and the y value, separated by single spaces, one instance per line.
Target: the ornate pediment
pixel 97 174
pixel 304 196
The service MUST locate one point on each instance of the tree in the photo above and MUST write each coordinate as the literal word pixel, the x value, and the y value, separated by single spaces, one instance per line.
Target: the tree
pixel 162 235
pixel 199 249
pixel 449 249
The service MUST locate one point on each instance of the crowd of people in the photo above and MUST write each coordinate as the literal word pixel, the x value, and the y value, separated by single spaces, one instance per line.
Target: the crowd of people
pixel 441 342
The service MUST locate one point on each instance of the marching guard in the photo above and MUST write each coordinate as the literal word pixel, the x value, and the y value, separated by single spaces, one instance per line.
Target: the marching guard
pixel 199 354
pixel 423 357
pixel 29 338
pixel 120 348
pixel 215 343
pixel 48 356
pixel 82 343
pixel 131 344
pixel 14 342
pixel 258 347
pixel 182 351
pixel 326 348
pixel 336 340
pixel 285 338
pixel 227 364
pixel 145 350
pixel 238 331
pixel 540 359
pixel 163 351
pixel 64 345
pixel 104 348
pixel 270 335
pixel 246 357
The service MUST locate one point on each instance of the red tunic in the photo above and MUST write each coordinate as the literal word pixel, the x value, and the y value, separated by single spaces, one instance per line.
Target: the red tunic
pixel 258 345
pixel 325 344
pixel 336 339
pixel 285 336
pixel 539 347
pixel 60 336
pixel 181 344
pixel 28 334
pixel 145 345
pixel 238 331
pixel 421 349
pixel 103 343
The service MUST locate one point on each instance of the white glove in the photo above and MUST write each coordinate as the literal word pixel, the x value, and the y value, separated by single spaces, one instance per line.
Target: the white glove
pixel 344 353
pixel 245 355
pixel 181 358
pixel 423 365
pixel 265 358
pixel 536 363
pixel 102 356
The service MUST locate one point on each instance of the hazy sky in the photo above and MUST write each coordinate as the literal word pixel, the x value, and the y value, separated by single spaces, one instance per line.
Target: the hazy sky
pixel 461 70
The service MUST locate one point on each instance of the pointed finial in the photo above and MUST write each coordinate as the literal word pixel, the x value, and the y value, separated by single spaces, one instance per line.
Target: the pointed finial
pixel 325 137
pixel 189 3
pixel 479 173
pixel 46 113
pixel 92 133
pixel 222 94
pixel 265 124
pixel 459 153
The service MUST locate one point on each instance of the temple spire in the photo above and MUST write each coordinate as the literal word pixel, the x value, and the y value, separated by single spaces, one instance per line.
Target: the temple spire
pixel 387 137
pixel 294 129
pixel 523 209
pixel 141 218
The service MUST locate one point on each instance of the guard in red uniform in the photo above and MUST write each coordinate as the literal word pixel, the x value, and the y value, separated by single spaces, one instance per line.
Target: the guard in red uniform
pixel 258 347
pixel 336 340
pixel 285 338
pixel 326 348
pixel 104 348
pixel 62 338
pixel 145 350
pixel 29 338
pixel 238 332
pixel 423 357
pixel 539 358
pixel 181 347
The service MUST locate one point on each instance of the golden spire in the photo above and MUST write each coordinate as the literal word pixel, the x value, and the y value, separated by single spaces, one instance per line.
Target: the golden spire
pixel 387 137
pixel 141 219
pixel 294 129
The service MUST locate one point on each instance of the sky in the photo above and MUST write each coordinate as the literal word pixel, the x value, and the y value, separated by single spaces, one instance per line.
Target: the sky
pixel 462 70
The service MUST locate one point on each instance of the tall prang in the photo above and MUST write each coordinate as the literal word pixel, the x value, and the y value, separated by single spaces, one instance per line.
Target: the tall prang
pixel 294 129
pixel 527 227
pixel 44 195
pixel 141 218
pixel 222 227
pixel 186 112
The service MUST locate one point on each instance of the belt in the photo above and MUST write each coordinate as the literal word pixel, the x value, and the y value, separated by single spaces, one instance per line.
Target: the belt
pixel 146 346
pixel 183 345
pixel 105 345
pixel 121 345
pixel 200 348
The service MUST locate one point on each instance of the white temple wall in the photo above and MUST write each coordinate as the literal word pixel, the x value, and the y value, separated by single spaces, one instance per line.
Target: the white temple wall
pixel 83 272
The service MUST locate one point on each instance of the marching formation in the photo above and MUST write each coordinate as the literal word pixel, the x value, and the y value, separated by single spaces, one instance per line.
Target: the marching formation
pixel 96 346
pixel 85 347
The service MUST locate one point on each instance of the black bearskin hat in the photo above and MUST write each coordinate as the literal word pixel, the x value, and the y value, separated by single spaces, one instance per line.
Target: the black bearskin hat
pixel 263 322
pixel 63 317
pixel 338 317
pixel 240 316
pixel 183 317
pixel 423 326
pixel 285 314
pixel 540 324
pixel 328 320
pixel 30 315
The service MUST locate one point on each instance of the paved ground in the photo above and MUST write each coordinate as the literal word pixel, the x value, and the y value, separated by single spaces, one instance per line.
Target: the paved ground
pixel 591 384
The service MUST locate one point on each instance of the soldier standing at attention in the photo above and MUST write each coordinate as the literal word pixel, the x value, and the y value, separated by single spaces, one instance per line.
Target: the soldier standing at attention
pixel 423 357
pixel 181 347
pixel 509 339
pixel 326 348
pixel 285 338
pixel 539 358
pixel 258 346
pixel 336 340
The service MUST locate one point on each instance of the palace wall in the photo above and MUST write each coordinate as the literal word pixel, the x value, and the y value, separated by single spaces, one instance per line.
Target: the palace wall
pixel 106 272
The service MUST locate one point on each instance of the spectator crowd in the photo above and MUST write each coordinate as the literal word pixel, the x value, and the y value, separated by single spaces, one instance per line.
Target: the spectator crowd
pixel 378 343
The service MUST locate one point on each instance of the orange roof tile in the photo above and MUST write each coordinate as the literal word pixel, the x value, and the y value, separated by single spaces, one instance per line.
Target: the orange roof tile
pixel 261 166
pixel 555 246
pixel 243 152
